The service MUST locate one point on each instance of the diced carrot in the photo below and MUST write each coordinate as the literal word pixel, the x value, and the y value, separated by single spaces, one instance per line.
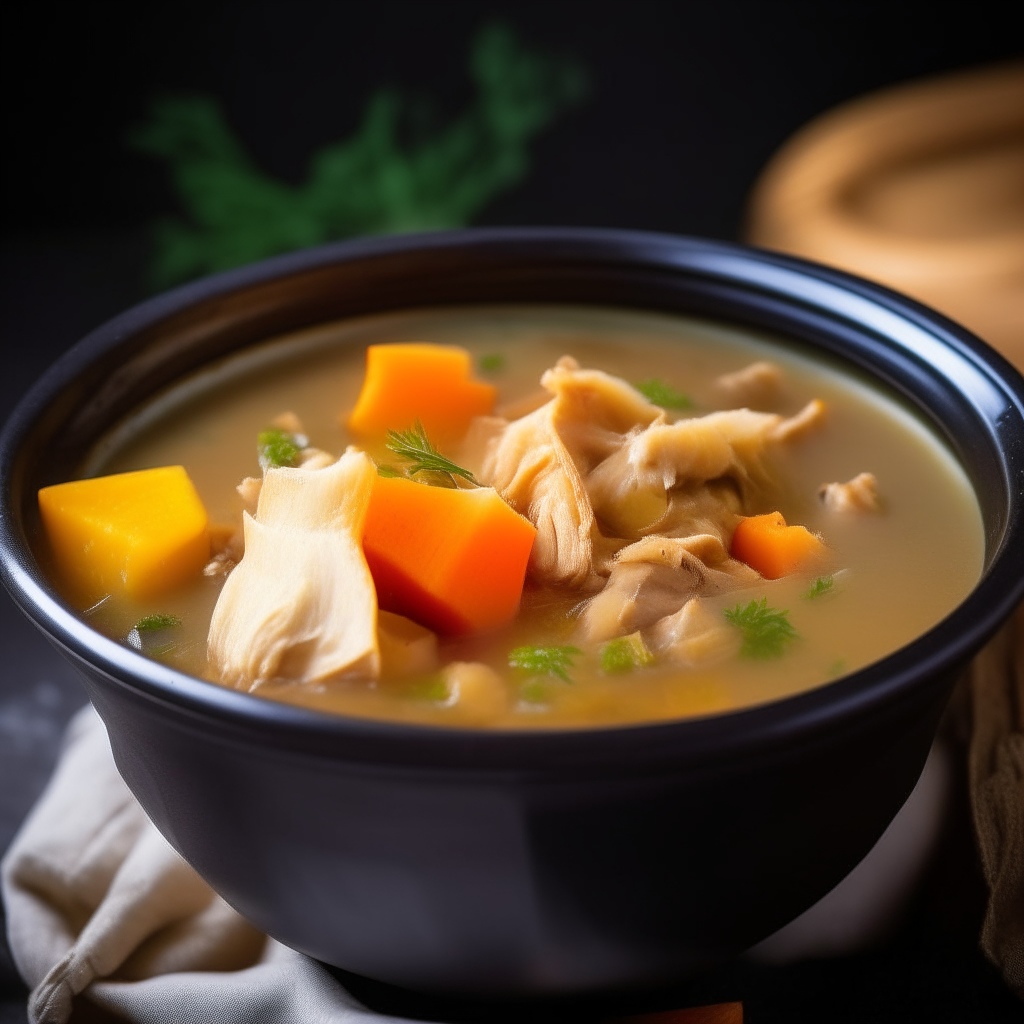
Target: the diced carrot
pixel 430 383
pixel 771 547
pixel 131 533
pixel 453 560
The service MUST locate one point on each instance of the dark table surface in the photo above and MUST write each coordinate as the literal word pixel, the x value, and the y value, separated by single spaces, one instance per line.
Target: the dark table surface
pixel 55 290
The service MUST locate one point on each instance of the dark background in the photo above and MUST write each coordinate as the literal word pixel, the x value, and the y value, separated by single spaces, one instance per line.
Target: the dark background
pixel 687 103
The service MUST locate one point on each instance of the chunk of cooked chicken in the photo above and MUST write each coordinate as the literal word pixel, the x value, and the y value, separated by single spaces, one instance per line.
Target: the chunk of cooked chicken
pixel 758 384
pixel 537 463
pixel 654 577
pixel 599 465
pixel 857 495
pixel 301 604
pixel 693 636
pixel 663 456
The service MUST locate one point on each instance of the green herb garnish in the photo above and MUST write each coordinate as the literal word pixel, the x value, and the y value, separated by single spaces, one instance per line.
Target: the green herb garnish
pixel 154 623
pixel 544 661
pixel 433 689
pixel 493 362
pixel 660 392
pixel 276 447
pixel 766 632
pixel 389 472
pixel 822 585
pixel 625 654
pixel 414 446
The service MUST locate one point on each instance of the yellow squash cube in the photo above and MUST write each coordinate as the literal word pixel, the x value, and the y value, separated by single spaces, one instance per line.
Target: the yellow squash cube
pixel 135 533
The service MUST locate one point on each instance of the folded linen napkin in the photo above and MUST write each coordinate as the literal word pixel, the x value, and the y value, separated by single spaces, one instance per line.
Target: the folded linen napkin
pixel 100 908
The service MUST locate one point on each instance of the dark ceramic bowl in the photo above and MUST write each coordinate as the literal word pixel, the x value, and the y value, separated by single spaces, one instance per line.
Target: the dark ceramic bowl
pixel 523 863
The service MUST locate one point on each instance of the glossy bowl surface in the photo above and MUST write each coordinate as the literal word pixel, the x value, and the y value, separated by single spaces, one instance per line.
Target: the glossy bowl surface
pixel 524 863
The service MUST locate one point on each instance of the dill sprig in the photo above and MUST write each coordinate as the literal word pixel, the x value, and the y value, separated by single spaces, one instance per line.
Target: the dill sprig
pixel 277 447
pixel 660 392
pixel 625 654
pixel 544 661
pixel 766 632
pixel 822 585
pixel 154 623
pixel 414 446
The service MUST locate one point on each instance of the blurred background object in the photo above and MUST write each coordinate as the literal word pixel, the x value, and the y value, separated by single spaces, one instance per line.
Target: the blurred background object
pixel 400 171
pixel 920 187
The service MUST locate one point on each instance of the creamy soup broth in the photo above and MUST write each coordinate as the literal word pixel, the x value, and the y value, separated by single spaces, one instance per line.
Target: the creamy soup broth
pixel 902 569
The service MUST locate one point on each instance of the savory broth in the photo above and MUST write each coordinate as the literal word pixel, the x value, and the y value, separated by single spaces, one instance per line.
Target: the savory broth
pixel 885 582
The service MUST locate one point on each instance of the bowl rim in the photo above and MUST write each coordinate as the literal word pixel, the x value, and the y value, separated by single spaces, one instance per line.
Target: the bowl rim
pixel 783 726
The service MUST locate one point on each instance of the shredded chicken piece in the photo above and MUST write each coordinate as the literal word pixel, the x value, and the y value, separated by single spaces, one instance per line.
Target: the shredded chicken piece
pixel 479 692
pixel 536 464
pixel 693 636
pixel 249 491
pixel 757 384
pixel 406 647
pixel 857 495
pixel 654 577
pixel 301 604
pixel 808 419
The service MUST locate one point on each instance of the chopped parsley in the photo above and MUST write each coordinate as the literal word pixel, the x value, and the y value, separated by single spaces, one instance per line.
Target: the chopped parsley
pixel 544 661
pixel 660 392
pixel 277 447
pixel 154 623
pixel 625 654
pixel 414 446
pixel 493 362
pixel 822 585
pixel 766 632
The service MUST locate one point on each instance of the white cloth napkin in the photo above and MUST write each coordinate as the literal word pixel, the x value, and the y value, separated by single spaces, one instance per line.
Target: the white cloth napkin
pixel 99 907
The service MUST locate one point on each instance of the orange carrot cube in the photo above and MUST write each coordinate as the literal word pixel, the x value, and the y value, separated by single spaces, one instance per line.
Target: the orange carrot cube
pixel 453 560
pixel 430 383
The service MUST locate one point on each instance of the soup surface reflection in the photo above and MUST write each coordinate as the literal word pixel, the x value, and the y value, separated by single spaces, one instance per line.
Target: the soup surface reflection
pixel 890 568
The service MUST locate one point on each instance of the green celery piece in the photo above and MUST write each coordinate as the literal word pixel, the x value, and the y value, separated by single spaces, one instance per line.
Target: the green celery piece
pixel 660 392
pixel 154 623
pixel 822 585
pixel 544 661
pixel 625 654
pixel 389 472
pixel 276 447
pixel 493 362
pixel 766 632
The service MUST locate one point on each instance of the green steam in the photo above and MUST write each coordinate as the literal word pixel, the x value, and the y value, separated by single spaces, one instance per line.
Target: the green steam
pixel 372 182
